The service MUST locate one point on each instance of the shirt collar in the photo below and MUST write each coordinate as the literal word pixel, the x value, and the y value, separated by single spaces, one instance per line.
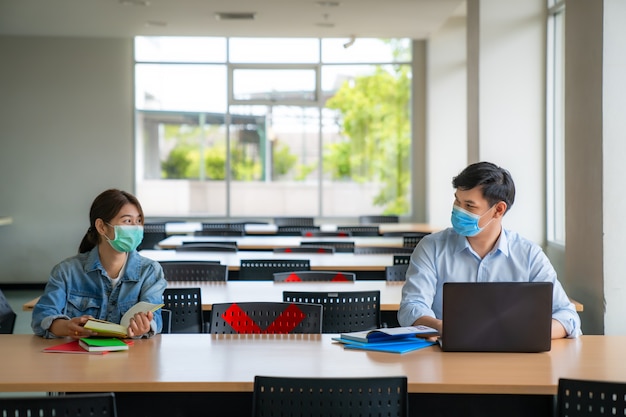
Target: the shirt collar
pixel 131 270
pixel 502 244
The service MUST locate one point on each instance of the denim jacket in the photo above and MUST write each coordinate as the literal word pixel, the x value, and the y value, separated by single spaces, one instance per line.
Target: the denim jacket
pixel 79 285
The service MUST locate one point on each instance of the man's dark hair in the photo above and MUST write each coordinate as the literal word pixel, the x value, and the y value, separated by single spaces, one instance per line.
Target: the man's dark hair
pixel 496 183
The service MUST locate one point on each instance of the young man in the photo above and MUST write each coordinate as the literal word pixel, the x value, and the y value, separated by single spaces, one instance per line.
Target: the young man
pixel 478 249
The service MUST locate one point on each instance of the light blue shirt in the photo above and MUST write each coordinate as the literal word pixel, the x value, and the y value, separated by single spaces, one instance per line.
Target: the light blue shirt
pixel 447 256
pixel 80 286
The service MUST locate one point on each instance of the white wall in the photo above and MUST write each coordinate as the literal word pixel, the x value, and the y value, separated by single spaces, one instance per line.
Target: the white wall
pixel 446 150
pixel 65 135
pixel 509 42
pixel 614 137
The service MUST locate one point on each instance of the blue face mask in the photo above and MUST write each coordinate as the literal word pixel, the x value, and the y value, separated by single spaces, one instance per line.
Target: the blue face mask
pixel 127 237
pixel 466 223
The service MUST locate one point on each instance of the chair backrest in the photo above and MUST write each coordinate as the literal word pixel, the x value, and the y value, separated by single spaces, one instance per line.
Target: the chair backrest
pixel 206 247
pixel 294 221
pixel 220 232
pixel 153 233
pixel 339 245
pixel 578 398
pixel 319 233
pixel 264 269
pixel 369 250
pixel 7 316
pixel 220 226
pixel 347 311
pixel 92 405
pixel 295 230
pixel 306 249
pixel 378 219
pixel 265 317
pixel 309 276
pixel 185 305
pixel 360 230
pixel 194 271
pixel 338 397
pixel 401 259
pixel 410 240
pixel 396 272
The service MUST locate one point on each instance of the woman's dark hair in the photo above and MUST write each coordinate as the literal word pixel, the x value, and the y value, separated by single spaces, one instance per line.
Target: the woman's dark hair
pixel 496 183
pixel 105 206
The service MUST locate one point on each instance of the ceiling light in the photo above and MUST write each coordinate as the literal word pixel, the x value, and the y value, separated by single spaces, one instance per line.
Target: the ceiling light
pixel 325 25
pixel 328 3
pixel 142 3
pixel 235 16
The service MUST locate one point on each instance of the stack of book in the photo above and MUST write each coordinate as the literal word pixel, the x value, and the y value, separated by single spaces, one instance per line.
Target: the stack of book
pixel 392 339
pixel 94 345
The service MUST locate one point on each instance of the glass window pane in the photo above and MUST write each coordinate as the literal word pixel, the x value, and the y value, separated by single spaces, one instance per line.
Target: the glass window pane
pixel 371 147
pixel 366 50
pixel 183 163
pixel 180 87
pixel 273 50
pixel 179 49
pixel 274 85
pixel 274 161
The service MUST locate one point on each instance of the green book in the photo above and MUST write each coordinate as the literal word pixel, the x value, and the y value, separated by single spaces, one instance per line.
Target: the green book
pixel 102 344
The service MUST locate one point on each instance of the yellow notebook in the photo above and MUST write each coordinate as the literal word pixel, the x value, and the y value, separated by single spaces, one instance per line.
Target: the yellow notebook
pixel 107 328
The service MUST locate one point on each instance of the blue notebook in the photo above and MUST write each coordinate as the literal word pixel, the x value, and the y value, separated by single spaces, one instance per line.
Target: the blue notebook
pixel 395 346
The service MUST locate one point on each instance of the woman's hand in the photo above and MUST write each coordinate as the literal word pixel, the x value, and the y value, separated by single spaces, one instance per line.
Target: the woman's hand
pixel 74 328
pixel 139 324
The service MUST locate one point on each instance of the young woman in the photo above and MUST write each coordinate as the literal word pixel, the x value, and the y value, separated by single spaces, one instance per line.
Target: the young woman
pixel 106 278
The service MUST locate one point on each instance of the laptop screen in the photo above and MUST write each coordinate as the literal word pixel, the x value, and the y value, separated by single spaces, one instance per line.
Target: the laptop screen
pixel 497 316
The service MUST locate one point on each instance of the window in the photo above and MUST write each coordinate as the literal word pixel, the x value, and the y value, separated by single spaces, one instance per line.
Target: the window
pixel 555 151
pixel 246 127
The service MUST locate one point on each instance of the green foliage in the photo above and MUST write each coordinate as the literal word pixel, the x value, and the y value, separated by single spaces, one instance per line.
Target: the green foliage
pixel 283 159
pixel 376 127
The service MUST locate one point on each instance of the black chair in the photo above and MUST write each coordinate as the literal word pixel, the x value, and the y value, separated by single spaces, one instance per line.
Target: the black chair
pixel 585 398
pixel 313 276
pixel 207 247
pixel 264 269
pixel 360 230
pixel 294 221
pixel 185 307
pixel 319 233
pixel 7 316
pixel 219 232
pixel 376 219
pixel 194 271
pixel 339 245
pixel 371 250
pixel 306 249
pixel 295 230
pixel 337 397
pixel 209 227
pixel 396 272
pixel 401 259
pixel 153 233
pixel 266 317
pixel 410 240
pixel 347 311
pixel 66 405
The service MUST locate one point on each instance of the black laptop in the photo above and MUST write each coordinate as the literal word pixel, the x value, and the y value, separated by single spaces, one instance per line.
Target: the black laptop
pixel 497 317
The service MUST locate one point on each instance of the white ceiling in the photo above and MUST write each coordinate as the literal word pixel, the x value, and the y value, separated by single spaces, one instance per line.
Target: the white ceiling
pixel 415 19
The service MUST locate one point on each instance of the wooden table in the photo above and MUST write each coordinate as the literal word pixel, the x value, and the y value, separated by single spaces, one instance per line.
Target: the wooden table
pixel 240 291
pixel 228 363
pixel 174 228
pixel 272 242
pixel 335 262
